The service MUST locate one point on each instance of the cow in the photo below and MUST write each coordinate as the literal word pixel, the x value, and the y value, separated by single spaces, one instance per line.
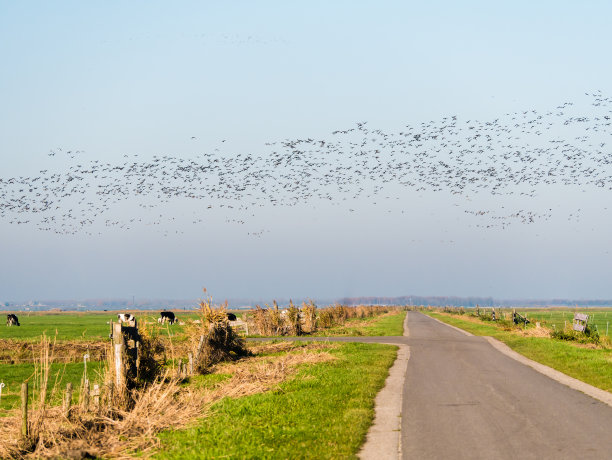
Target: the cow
pixel 231 317
pixel 12 320
pixel 124 317
pixel 166 316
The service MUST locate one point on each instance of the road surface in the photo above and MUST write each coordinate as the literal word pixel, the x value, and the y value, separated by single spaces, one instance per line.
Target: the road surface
pixel 463 400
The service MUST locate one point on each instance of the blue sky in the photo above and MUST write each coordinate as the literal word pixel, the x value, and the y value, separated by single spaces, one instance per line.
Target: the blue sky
pixel 144 78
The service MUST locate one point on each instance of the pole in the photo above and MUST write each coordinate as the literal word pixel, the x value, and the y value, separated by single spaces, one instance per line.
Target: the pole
pixel 67 399
pixel 96 397
pixel 24 410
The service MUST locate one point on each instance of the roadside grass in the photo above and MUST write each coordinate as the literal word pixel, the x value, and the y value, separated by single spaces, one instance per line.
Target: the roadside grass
pixel 389 324
pixel 559 317
pixel 593 366
pixel 323 412
pixel 601 318
pixel 13 375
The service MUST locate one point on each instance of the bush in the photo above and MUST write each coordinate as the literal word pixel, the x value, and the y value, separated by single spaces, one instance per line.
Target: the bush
pixel 589 335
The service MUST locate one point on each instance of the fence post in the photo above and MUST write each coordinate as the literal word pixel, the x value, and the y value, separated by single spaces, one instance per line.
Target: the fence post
pixel 67 399
pixel 137 359
pixel 198 351
pixel 85 396
pixel 110 396
pixel 190 364
pixel 96 397
pixel 24 410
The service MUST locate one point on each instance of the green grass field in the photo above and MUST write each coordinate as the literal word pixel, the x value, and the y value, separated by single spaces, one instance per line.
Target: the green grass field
pixel 13 375
pixel 559 317
pixel 80 326
pixel 324 412
pixel 600 317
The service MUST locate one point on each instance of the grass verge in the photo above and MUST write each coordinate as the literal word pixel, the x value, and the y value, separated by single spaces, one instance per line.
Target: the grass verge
pixel 323 412
pixel 389 324
pixel 593 366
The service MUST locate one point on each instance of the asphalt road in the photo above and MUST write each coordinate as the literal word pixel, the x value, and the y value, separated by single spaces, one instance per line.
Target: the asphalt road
pixel 464 400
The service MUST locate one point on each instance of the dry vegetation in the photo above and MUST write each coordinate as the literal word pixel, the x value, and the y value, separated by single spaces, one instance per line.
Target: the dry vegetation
pixel 271 321
pixel 19 351
pixel 124 425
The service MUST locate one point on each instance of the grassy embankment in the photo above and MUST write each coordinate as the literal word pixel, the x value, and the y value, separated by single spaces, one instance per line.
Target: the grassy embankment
pixel 323 412
pixel 591 365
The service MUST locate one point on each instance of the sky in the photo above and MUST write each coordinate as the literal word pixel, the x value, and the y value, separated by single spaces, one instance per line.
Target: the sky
pixel 133 81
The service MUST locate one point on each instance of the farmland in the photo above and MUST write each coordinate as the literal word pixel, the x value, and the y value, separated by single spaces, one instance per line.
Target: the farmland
pixel 77 326
pixel 78 333
pixel 558 317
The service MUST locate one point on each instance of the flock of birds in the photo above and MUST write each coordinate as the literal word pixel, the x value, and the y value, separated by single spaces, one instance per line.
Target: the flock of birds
pixel 516 155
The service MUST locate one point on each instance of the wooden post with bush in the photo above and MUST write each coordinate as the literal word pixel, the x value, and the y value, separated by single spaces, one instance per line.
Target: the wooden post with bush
pixel 126 359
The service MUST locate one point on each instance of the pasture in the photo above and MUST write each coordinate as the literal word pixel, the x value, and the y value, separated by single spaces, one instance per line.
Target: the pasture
pixel 88 326
pixel 559 317
pixel 13 375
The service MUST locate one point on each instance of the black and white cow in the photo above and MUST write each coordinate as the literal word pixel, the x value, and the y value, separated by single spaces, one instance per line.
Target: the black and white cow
pixel 166 316
pixel 124 317
pixel 231 317
pixel 12 320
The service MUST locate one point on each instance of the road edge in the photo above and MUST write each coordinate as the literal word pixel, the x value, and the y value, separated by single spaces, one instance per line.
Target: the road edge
pixel 564 379
pixel 575 384
pixel 469 334
pixel 384 438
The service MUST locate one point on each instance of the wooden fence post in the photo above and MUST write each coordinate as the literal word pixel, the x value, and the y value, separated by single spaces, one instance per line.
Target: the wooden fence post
pixel 25 432
pixel 85 394
pixel 67 399
pixel 190 364
pixel 96 397
pixel 199 350
pixel 138 359
pixel 110 394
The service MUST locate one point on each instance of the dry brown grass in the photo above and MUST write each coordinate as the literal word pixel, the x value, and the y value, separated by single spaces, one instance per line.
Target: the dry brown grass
pixel 296 321
pixel 535 332
pixel 165 404
pixel 21 351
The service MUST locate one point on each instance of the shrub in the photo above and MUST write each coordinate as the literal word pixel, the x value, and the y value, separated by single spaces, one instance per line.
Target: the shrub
pixel 325 319
pixel 294 319
pixel 309 316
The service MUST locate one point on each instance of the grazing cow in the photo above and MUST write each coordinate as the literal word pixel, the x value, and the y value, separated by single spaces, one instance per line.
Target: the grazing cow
pixel 231 317
pixel 166 316
pixel 12 320
pixel 124 317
